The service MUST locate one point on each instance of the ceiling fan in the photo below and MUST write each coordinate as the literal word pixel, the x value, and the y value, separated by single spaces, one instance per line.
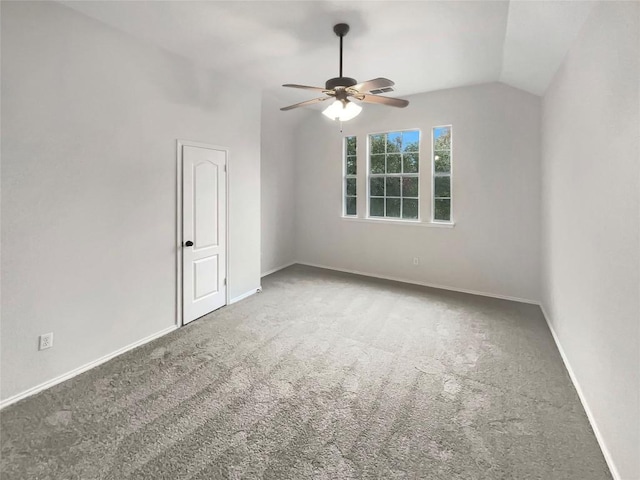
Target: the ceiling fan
pixel 344 89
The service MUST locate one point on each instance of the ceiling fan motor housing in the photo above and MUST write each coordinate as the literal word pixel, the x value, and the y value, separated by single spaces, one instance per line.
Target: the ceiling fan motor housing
pixel 340 82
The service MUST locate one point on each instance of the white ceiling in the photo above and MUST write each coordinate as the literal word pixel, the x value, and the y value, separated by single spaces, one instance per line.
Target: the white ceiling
pixel 421 45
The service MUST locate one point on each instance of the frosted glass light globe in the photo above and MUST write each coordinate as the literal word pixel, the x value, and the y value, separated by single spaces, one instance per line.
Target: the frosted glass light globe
pixel 342 111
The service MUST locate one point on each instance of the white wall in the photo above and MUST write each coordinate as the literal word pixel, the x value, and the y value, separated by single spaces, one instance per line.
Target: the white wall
pixel 277 182
pixel 494 247
pixel 90 117
pixel 591 218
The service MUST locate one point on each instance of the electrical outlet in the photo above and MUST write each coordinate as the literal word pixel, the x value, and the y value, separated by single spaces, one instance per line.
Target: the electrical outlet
pixel 416 261
pixel 46 341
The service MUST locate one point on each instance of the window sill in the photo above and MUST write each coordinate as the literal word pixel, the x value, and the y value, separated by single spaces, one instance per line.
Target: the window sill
pixel 388 221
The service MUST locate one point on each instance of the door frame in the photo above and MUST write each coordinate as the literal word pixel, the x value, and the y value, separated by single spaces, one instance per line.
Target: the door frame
pixel 179 239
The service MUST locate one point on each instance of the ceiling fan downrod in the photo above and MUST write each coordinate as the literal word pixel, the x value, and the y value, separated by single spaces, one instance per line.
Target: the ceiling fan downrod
pixel 341 29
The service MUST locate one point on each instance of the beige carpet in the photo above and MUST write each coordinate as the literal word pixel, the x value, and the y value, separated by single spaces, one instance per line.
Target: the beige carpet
pixel 321 376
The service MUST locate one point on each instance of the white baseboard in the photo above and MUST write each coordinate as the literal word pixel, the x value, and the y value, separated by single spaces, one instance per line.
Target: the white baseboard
pixel 88 366
pixel 274 270
pixel 583 400
pixel 423 284
pixel 253 291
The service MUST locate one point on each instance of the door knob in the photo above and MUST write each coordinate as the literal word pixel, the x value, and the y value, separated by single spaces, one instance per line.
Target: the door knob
pixel 188 243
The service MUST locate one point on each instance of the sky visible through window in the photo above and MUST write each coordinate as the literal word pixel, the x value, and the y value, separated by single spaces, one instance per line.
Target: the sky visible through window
pixel 440 131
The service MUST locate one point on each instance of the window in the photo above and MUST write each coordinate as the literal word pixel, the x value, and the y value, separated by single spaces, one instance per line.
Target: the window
pixel 393 174
pixel 350 172
pixel 442 174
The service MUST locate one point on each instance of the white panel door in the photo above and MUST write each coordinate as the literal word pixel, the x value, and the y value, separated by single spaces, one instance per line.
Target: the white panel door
pixel 204 224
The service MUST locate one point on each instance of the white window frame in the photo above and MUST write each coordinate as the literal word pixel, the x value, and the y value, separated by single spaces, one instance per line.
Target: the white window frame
pixel 369 175
pixel 435 174
pixel 346 176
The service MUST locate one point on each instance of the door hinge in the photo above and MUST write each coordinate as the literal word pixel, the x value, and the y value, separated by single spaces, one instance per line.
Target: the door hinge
pixel 224 282
pixel 225 169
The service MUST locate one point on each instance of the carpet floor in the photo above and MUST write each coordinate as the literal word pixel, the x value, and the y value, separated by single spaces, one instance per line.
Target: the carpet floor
pixel 321 376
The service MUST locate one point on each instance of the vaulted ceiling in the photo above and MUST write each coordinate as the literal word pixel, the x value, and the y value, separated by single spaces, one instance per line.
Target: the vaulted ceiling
pixel 421 45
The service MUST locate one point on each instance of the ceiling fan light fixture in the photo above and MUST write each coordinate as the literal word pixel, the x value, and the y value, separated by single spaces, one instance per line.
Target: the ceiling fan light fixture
pixel 342 111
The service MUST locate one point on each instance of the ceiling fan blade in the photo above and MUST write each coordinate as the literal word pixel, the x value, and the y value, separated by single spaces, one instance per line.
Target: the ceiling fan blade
pixel 304 104
pixel 305 87
pixel 392 102
pixel 374 84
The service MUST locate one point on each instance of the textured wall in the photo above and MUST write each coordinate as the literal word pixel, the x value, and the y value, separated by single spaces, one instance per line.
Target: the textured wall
pixel 90 118
pixel 277 174
pixel 494 247
pixel 591 218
